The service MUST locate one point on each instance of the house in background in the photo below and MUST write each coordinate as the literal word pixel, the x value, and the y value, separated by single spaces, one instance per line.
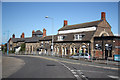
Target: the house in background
pixel 15 43
pixel 38 43
pixel 32 44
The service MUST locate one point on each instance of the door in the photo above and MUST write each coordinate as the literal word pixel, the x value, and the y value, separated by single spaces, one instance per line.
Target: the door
pixel 106 54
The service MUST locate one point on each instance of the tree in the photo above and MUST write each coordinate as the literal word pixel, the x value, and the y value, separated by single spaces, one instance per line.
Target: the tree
pixel 22 47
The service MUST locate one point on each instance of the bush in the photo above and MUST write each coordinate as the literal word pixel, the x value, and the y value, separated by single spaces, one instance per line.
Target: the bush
pixel 22 47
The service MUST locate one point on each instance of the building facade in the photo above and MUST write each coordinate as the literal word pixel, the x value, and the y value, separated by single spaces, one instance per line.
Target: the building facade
pixel 72 39
pixel 37 44
pixel 106 46
pixel 94 38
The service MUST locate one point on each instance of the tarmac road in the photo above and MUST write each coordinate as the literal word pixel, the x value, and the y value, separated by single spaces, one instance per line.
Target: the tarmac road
pixel 41 68
pixel 38 67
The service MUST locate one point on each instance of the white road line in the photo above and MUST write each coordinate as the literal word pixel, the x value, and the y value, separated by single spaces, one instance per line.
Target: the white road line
pixel 83 76
pixel 72 70
pixel 65 66
pixel 115 77
pixel 74 73
pixel 77 76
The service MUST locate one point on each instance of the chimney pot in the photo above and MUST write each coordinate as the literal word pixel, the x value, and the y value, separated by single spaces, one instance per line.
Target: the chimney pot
pixel 33 32
pixel 65 23
pixel 103 16
pixel 44 32
pixel 13 36
pixel 22 36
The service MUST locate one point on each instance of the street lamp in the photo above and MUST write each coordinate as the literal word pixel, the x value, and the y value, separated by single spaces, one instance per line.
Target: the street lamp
pixel 52 31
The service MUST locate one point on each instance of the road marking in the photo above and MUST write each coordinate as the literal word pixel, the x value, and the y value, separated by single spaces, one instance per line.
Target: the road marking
pixel 72 70
pixel 83 76
pixel 65 66
pixel 80 73
pixel 74 73
pixel 115 77
pixel 77 76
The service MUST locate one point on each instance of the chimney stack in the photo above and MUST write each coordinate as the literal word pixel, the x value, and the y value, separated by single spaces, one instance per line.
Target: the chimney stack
pixel 33 32
pixel 22 36
pixel 13 36
pixel 44 32
pixel 103 16
pixel 65 23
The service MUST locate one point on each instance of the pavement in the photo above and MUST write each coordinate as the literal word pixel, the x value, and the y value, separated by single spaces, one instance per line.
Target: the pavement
pixel 10 65
pixel 51 67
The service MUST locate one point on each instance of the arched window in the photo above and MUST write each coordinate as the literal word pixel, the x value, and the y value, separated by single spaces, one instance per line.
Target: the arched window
pixel 86 50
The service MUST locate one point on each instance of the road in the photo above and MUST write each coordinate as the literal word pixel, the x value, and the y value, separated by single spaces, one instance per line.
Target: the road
pixel 42 67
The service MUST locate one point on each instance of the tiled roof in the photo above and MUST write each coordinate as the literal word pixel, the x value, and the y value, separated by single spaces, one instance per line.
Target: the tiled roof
pixel 46 38
pixel 70 37
pixel 18 39
pixel 83 25
pixel 32 39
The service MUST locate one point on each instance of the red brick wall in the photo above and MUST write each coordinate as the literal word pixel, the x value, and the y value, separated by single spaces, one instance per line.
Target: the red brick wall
pixel 98 53
pixel 117 43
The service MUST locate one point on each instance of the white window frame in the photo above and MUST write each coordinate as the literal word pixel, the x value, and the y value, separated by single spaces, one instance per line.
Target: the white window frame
pixel 60 38
pixel 78 36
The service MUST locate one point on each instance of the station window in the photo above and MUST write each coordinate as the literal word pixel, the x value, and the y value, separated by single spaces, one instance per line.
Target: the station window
pixel 78 36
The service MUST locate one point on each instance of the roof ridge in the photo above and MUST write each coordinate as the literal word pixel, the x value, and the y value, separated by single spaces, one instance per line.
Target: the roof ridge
pixel 83 23
pixel 86 24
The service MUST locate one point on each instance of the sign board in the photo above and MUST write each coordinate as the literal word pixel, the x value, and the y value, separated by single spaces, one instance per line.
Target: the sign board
pixel 117 57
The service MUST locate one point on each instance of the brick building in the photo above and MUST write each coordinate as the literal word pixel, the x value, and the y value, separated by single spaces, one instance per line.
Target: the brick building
pixel 37 44
pixel 106 46
pixel 80 37
pixel 93 37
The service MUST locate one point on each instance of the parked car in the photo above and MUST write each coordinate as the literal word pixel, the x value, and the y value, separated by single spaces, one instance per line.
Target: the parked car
pixel 81 55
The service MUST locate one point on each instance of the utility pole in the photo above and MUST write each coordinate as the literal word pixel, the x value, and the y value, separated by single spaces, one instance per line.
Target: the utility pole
pixel 8 42
pixel 52 46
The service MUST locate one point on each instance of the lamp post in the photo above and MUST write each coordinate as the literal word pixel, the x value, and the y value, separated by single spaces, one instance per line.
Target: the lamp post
pixel 52 31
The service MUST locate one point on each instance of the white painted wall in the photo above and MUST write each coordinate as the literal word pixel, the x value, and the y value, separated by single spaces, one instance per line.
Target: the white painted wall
pixel 77 30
